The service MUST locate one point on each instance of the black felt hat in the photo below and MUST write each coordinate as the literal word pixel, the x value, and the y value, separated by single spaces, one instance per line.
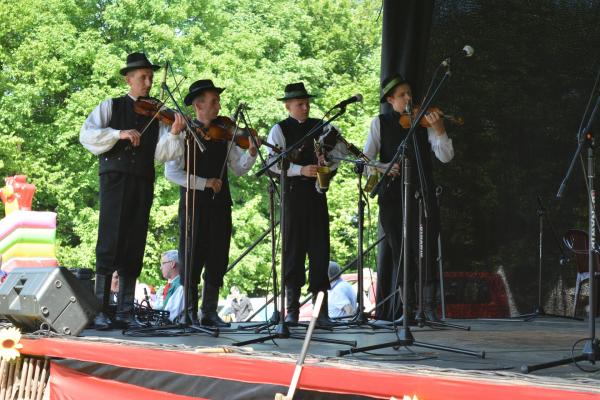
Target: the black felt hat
pixel 137 61
pixel 389 84
pixel 198 87
pixel 295 91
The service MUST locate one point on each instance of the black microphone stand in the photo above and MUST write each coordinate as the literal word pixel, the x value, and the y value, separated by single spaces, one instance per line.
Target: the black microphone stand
pixel 404 335
pixel 420 315
pixel 186 326
pixel 351 264
pixel 272 227
pixel 539 308
pixel 282 330
pixel 360 317
pixel 440 259
pixel 591 348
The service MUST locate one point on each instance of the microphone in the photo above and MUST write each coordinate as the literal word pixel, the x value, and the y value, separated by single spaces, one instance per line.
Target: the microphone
pixel 354 99
pixel 466 52
pixel 164 81
pixel 239 109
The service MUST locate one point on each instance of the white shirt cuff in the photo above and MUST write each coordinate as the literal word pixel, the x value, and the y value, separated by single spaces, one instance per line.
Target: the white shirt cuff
pixel 295 170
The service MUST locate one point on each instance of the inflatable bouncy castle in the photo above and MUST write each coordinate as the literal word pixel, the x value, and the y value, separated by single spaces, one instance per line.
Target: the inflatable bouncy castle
pixel 27 238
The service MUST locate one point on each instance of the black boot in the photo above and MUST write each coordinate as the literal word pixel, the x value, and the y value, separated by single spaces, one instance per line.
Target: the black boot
pixel 292 304
pixel 210 301
pixel 125 318
pixel 323 320
pixel 102 291
pixel 430 302
pixel 193 305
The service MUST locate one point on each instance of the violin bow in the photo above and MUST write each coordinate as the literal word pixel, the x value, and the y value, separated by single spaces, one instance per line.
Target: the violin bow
pixel 168 67
pixel 239 109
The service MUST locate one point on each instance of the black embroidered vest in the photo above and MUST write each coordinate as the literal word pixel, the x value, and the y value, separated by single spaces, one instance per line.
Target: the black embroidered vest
pixel 123 157
pixel 392 134
pixel 208 164
pixel 294 131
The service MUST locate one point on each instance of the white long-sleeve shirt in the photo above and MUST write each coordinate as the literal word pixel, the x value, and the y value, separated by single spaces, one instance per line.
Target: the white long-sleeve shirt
pixel 175 304
pixel 276 137
pixel 97 137
pixel 440 144
pixel 239 162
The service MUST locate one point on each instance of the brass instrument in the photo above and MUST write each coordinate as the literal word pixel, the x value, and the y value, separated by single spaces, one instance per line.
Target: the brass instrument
pixel 371 172
pixel 323 172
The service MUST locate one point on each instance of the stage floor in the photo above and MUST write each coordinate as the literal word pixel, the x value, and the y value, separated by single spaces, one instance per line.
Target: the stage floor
pixel 507 346
pixel 196 365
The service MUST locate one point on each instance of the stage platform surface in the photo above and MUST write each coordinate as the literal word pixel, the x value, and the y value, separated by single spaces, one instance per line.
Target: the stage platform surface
pixel 507 346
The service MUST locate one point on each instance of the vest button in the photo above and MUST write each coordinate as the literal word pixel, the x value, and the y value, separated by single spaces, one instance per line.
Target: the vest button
pixel 119 158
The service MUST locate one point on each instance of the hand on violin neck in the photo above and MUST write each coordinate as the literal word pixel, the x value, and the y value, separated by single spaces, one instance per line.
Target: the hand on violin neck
pixel 252 148
pixel 309 170
pixel 215 184
pixel 178 125
pixel 132 135
pixel 436 121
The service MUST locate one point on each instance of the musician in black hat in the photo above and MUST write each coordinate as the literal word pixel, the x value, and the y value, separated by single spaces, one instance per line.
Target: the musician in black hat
pixel 385 135
pixel 210 201
pixel 127 145
pixel 307 215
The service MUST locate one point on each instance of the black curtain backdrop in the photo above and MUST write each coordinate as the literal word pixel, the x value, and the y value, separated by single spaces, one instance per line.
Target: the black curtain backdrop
pixel 522 96
pixel 406 27
pixel 405 34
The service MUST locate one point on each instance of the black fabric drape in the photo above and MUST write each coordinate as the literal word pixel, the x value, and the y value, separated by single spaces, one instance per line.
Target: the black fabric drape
pixel 405 37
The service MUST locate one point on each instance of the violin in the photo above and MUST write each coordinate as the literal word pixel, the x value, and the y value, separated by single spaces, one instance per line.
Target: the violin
pixel 406 118
pixel 223 128
pixel 151 107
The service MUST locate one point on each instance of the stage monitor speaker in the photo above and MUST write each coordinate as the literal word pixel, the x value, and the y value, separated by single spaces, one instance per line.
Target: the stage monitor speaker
pixel 47 299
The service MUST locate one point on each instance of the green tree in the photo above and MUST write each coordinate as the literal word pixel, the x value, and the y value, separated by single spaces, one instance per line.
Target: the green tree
pixel 59 59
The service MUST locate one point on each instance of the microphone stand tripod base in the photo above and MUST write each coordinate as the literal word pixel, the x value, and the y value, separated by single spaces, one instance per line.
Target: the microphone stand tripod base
pixel 590 352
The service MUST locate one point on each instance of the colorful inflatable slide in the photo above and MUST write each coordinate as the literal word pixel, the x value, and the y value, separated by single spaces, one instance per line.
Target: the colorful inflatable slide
pixel 27 238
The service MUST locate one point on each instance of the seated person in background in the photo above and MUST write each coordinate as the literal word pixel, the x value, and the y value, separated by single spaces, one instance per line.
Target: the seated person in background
pixel 240 305
pixel 172 293
pixel 342 298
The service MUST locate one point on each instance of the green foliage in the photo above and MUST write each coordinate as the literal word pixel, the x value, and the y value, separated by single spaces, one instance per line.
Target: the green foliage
pixel 60 58
pixel 521 97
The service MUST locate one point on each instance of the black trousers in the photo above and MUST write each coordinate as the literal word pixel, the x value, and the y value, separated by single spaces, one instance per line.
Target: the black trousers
pixel 209 242
pixel 125 202
pixel 306 233
pixel 390 275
